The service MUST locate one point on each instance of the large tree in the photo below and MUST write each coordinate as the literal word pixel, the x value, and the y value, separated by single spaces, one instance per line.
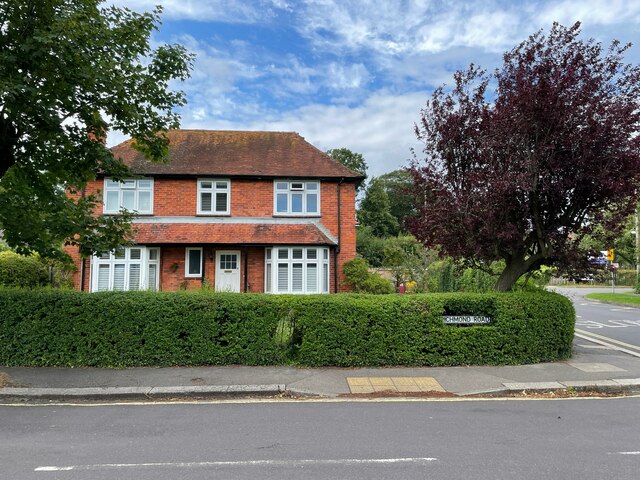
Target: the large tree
pixel 523 172
pixel 398 185
pixel 375 211
pixel 353 160
pixel 70 71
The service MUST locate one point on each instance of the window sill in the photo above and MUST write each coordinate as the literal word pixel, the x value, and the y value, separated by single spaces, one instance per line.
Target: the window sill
pixel 134 214
pixel 305 215
pixel 213 214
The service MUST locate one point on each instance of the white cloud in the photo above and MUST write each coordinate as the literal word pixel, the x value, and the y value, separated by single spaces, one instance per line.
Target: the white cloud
pixel 231 11
pixel 591 12
pixel 398 27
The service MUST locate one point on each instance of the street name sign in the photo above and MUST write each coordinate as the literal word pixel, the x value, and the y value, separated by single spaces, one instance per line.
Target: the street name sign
pixel 466 320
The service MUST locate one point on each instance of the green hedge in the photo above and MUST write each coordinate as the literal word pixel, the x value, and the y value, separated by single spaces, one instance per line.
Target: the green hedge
pixel 22 271
pixel 57 328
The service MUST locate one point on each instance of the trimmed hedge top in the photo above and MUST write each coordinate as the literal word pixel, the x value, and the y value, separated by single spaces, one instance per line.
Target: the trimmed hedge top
pixel 121 329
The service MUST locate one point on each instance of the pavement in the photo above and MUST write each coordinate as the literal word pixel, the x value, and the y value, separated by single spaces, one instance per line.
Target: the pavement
pixel 593 366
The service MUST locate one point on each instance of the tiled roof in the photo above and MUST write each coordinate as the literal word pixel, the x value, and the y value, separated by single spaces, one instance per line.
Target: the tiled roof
pixel 230 234
pixel 237 153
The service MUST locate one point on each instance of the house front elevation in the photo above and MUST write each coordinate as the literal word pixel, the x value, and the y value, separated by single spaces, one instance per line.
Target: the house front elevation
pixel 235 211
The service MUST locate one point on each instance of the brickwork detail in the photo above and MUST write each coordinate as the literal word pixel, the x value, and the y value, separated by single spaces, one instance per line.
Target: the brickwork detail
pixel 249 198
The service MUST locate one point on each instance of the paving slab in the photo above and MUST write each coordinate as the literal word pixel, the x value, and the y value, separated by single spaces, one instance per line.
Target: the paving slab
pixel 534 386
pixel 597 367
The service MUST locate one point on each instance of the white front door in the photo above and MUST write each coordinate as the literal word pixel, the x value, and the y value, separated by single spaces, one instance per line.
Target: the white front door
pixel 227 271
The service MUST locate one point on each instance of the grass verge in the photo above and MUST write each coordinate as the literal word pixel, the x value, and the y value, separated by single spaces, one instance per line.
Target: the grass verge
pixel 627 298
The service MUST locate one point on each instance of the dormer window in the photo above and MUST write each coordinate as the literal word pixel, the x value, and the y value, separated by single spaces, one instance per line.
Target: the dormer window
pixel 134 195
pixel 214 196
pixel 296 198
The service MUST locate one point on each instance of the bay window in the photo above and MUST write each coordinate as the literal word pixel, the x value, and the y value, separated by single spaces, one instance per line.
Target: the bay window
pixel 297 270
pixel 131 268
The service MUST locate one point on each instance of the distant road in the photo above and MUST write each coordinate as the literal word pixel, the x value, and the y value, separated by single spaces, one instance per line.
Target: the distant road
pixel 618 325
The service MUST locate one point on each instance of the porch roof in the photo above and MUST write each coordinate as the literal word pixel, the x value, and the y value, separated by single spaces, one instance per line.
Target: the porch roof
pixel 230 234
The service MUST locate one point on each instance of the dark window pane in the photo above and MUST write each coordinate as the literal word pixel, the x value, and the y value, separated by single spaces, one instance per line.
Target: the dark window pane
pixel 194 262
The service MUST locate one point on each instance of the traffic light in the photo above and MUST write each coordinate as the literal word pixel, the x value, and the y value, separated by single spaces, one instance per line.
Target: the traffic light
pixel 610 253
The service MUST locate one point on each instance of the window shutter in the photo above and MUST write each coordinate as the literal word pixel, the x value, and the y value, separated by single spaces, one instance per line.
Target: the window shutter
pixel 152 279
pixel 134 277
pixel 325 278
pixel 205 201
pixel 312 278
pixel 268 274
pixel 296 277
pixel 118 276
pixel 283 277
pixel 103 277
pixel 221 201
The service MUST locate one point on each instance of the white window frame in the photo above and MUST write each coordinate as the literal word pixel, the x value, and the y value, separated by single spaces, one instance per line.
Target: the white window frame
pixel 123 186
pixel 214 190
pixel 187 264
pixel 144 261
pixel 322 259
pixel 290 191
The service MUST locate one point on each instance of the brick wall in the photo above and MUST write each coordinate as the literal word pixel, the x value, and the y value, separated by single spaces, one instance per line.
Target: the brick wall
pixel 249 198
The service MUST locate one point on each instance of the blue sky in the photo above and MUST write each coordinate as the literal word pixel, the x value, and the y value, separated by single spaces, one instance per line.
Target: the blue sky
pixel 353 74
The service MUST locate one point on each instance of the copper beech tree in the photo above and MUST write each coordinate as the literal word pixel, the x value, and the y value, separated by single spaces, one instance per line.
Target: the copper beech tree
pixel 521 163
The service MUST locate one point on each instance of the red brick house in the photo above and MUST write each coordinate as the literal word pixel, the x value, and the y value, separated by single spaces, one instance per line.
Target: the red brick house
pixel 238 211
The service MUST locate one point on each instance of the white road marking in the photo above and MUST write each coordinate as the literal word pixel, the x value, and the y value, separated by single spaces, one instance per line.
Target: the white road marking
pixel 241 463
pixel 588 336
pixel 628 453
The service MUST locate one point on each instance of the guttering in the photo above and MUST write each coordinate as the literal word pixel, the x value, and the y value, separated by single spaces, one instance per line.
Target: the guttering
pixel 204 265
pixel 82 260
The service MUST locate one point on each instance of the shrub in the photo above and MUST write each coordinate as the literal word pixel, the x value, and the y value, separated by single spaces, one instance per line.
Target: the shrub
pixel 358 277
pixel 441 276
pixel 57 327
pixel 21 271
pixel 476 281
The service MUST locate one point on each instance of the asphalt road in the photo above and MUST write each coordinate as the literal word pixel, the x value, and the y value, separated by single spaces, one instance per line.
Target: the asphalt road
pixel 614 324
pixel 500 439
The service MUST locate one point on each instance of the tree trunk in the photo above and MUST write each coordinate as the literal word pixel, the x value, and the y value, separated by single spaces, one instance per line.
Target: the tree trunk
pixel 511 273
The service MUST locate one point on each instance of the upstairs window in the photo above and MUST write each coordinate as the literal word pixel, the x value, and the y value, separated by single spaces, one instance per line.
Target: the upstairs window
pixel 213 197
pixel 296 198
pixel 135 195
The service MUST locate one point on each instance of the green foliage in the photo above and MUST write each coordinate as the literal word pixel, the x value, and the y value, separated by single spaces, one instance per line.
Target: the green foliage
pixel 352 160
pixel 358 277
pixel 375 211
pixel 476 281
pixel 22 271
pixel 399 184
pixel 408 261
pixel 638 284
pixel 119 329
pixel 72 71
pixel 442 276
pixel 369 246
